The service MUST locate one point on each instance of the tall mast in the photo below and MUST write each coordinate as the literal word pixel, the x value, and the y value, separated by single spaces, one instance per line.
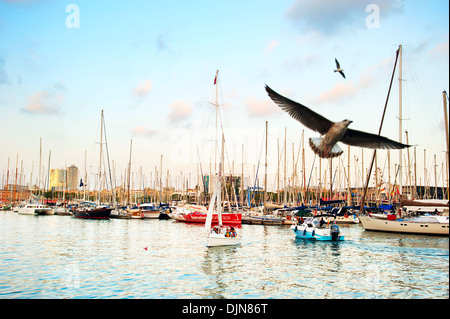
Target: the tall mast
pixel 265 176
pixel 85 176
pixel 285 181
pixel 348 177
pixel 303 169
pixel 415 174
pixel 435 179
pixel 242 178
pixel 40 165
pixel 409 167
pixel 425 181
pixel 100 167
pixel 400 180
pixel 129 172
pixel 389 175
pixel 278 171
pixel 48 169
pixel 219 183
pixel 15 183
pixel 216 103
pixel 160 182
pixel 7 182
pixel 444 95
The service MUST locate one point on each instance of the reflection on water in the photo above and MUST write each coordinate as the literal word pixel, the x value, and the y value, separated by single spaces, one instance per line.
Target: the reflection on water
pixel 64 257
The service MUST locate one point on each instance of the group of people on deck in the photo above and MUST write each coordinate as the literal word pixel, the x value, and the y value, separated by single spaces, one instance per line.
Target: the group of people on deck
pixel 230 232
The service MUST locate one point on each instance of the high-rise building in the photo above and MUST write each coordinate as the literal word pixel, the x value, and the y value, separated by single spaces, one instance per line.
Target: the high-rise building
pixel 57 179
pixel 64 179
pixel 72 178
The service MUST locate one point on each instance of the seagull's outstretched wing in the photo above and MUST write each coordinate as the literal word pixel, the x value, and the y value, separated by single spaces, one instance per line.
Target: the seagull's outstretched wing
pixel 301 113
pixel 368 140
pixel 337 64
pixel 342 73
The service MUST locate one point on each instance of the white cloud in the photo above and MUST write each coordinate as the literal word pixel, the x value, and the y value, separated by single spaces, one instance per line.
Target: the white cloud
pixel 260 108
pixel 272 45
pixel 42 102
pixel 440 50
pixel 143 88
pixel 179 111
pixel 327 17
pixel 143 131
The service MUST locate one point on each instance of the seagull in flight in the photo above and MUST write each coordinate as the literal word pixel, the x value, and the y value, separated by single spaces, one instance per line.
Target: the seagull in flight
pixel 333 132
pixel 338 68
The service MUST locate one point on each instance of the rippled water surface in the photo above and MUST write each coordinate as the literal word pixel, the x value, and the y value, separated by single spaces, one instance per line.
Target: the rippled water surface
pixel 64 257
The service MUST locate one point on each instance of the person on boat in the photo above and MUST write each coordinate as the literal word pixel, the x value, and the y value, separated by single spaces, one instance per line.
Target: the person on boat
pixel 321 223
pixel 227 233
pixel 315 221
pixel 232 232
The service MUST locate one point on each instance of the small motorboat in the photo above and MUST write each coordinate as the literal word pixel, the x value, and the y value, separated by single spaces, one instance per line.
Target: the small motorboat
pixel 315 229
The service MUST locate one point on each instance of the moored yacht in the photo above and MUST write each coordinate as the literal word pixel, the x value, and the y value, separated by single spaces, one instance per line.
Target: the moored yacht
pixel 426 225
pixel 36 209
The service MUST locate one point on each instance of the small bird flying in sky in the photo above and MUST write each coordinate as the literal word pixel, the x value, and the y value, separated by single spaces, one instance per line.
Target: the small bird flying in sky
pixel 338 68
pixel 333 132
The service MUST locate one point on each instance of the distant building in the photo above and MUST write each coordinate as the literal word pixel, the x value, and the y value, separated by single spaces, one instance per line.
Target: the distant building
pixel 61 179
pixel 57 179
pixel 72 178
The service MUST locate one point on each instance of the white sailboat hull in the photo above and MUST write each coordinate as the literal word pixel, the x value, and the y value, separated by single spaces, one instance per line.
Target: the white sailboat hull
pixel 215 240
pixel 376 224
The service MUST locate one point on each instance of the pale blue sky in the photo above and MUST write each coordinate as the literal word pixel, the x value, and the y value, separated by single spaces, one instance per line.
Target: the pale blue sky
pixel 150 66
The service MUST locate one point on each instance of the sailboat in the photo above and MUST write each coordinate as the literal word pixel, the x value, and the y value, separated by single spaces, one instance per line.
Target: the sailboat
pixel 90 210
pixel 426 225
pixel 219 235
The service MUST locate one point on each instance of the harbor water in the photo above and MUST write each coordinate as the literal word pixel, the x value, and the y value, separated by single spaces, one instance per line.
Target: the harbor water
pixel 60 257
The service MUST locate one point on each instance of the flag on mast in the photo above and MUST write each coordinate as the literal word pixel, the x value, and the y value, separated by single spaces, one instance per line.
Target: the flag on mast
pixel 215 78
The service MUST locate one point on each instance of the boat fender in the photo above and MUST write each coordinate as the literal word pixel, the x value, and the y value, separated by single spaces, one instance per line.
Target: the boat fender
pixel 142 214
pixel 313 233
pixel 304 232
pixel 295 228
pixel 346 215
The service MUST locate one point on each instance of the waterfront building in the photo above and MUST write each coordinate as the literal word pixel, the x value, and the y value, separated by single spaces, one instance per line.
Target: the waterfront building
pixel 57 179
pixel 72 178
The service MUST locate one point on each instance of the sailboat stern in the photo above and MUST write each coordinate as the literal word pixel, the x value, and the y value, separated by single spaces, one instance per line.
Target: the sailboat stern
pixel 221 240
